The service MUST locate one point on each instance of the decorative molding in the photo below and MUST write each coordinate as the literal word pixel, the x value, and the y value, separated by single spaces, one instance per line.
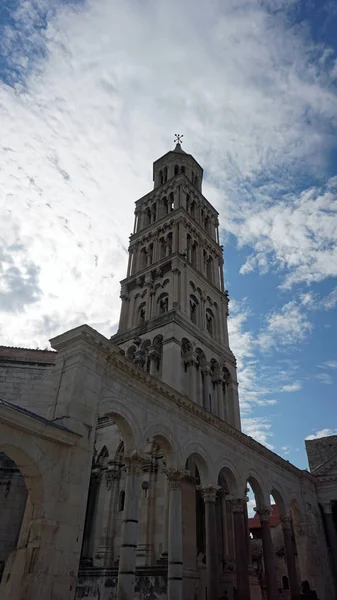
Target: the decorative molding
pixel 134 463
pixel 209 492
pixel 263 512
pixel 174 477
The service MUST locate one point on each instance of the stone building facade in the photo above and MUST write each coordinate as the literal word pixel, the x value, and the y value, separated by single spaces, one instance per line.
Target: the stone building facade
pixel 124 471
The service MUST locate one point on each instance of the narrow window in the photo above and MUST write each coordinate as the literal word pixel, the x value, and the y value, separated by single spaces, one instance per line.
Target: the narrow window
pixel 176 170
pixel 121 501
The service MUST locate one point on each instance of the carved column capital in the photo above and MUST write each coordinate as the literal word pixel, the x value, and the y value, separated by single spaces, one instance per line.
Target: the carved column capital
pixel 133 463
pixel 285 521
pixel 174 477
pixel 209 492
pixel 238 504
pixel 112 474
pixel 264 512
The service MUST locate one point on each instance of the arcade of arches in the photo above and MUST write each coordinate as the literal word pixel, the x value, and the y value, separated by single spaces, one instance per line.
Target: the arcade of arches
pixel 124 473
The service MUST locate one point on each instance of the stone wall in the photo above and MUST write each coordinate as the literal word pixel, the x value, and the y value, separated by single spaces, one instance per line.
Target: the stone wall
pixel 320 450
pixel 13 496
pixel 25 378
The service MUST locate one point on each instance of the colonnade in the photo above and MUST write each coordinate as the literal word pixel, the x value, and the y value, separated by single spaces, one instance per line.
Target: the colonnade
pixel 174 537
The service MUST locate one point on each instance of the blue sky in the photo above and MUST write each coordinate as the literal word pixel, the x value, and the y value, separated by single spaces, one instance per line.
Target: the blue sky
pixel 91 93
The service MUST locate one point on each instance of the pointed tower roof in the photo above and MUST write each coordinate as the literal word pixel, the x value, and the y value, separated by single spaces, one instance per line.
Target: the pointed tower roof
pixel 179 149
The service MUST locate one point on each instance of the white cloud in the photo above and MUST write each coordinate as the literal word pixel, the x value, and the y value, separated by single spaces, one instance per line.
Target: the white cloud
pixel 295 235
pixel 331 300
pixel 329 364
pixel 321 433
pixel 258 428
pixel 288 326
pixel 292 387
pixel 324 378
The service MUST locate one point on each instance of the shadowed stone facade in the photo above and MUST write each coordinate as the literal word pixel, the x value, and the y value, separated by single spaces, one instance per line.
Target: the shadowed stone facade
pixel 128 468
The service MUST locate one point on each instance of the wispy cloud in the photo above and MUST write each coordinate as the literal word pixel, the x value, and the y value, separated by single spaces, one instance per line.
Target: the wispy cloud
pixel 329 364
pixel 258 428
pixel 292 387
pixel 324 378
pixel 286 327
pixel 321 433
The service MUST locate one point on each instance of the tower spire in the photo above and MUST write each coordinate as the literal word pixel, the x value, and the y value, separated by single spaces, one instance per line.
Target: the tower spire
pixel 178 141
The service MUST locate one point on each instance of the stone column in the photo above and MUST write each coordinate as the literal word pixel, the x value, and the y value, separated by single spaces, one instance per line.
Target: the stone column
pixel 289 551
pixel 212 576
pixel 268 553
pixel 166 520
pixel 127 556
pixel 192 368
pixel 222 285
pixel 224 525
pixel 112 476
pixel 206 403
pixel 90 517
pixel 331 535
pixel 241 555
pixel 175 536
pixel 221 407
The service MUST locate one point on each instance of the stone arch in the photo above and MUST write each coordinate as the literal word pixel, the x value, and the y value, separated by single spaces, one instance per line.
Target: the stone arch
pixel 103 456
pixel 202 460
pixel 163 436
pixel 258 489
pixel 275 490
pixel 28 466
pixel 125 421
pixel 227 475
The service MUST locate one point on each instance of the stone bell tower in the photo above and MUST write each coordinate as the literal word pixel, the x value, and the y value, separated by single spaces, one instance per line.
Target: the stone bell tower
pixel 173 320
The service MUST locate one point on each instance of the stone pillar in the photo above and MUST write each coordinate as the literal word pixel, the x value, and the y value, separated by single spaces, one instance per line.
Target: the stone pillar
pixel 175 536
pixel 124 295
pixel 289 551
pixel 127 556
pixel 206 402
pixel 241 554
pixel 268 553
pixel 224 525
pixel 222 285
pixel 105 549
pixel 145 546
pixel 209 495
pixel 331 535
pixel 91 514
pixel 221 407
pixel 192 368
pixel 166 520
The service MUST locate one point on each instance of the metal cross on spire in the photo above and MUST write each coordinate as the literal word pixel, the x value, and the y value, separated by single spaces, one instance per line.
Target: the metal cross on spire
pixel 178 138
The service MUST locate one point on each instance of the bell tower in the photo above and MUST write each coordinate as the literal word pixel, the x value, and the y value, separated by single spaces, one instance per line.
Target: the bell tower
pixel 173 320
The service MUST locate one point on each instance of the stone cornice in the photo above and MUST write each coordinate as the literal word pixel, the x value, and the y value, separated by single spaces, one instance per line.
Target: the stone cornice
pixel 111 354
pixel 35 425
